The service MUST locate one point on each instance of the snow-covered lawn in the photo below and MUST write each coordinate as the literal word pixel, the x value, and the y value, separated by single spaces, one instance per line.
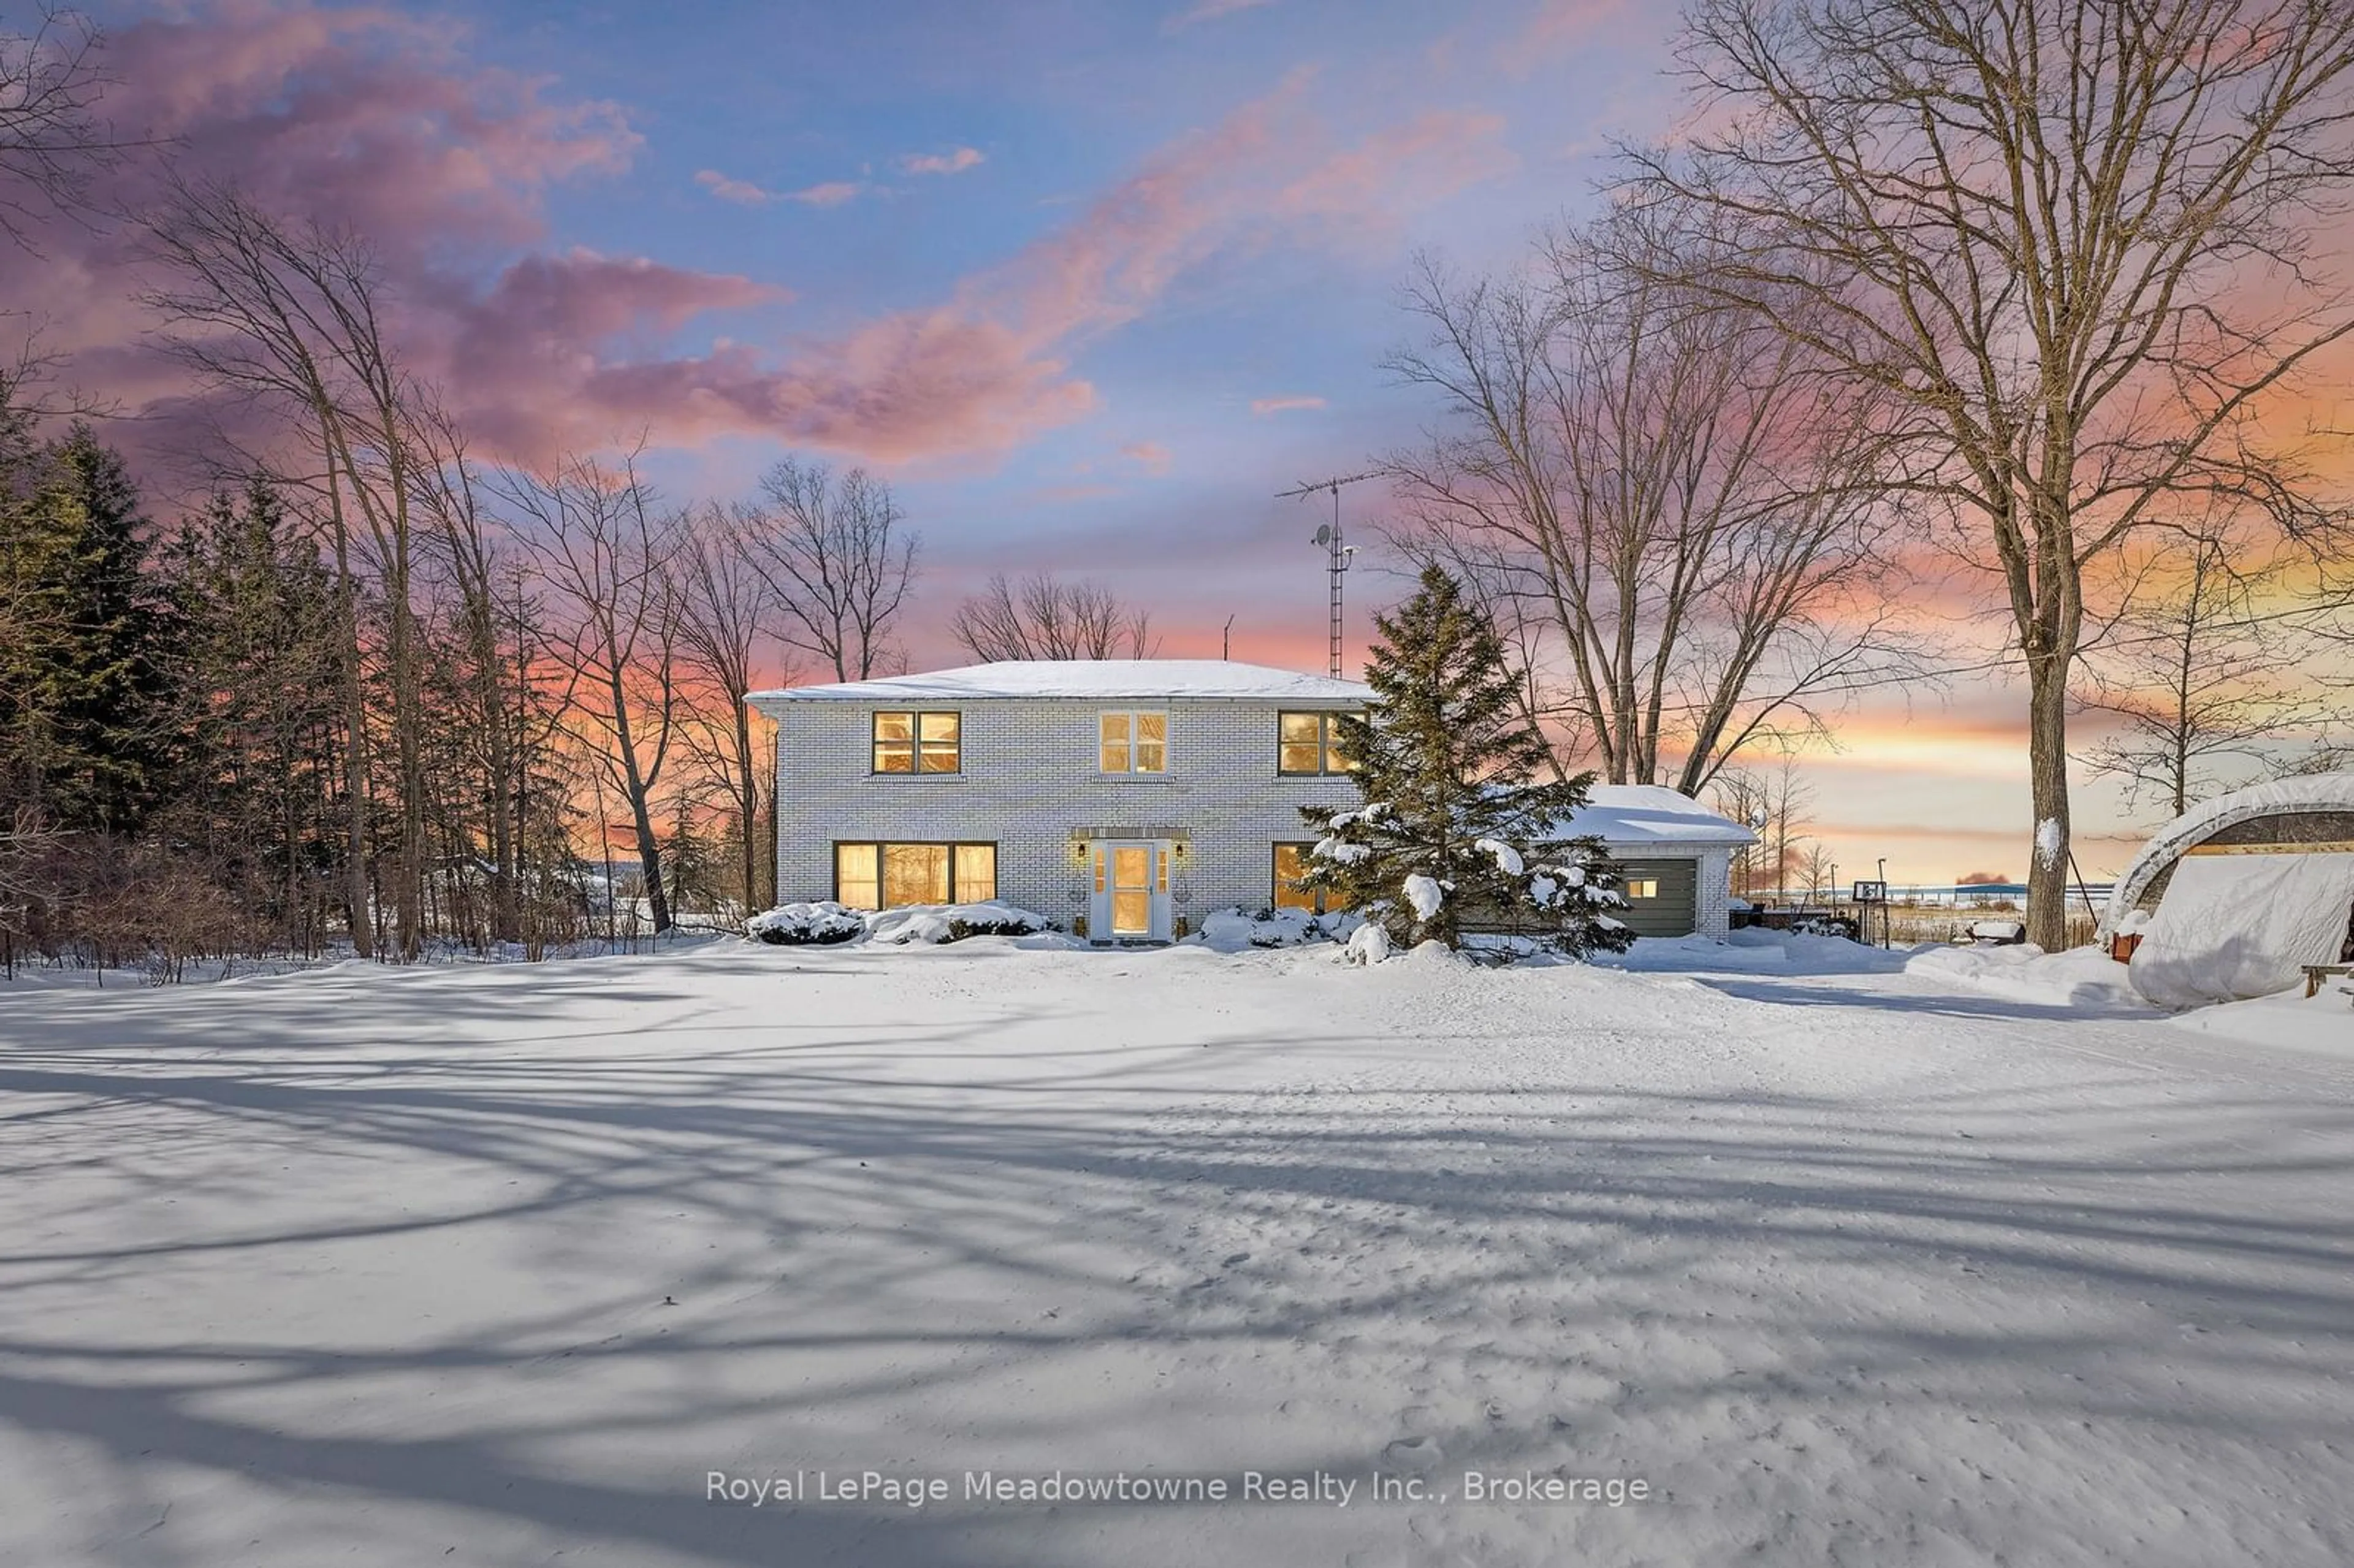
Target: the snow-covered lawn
pixel 496 1266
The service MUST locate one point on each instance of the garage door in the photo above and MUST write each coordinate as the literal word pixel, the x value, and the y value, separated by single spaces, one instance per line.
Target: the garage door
pixel 1663 897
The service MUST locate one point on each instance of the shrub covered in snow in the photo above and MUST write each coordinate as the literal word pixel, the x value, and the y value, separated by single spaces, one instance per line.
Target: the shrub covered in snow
pixel 954 922
pixel 1456 830
pixel 793 925
pixel 1231 930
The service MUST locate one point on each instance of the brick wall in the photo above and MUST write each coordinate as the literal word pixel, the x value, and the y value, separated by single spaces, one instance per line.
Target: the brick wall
pixel 1030 777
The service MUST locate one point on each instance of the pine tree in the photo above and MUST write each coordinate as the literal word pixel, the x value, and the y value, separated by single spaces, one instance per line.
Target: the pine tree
pixel 1453 826
pixel 84 737
pixel 253 681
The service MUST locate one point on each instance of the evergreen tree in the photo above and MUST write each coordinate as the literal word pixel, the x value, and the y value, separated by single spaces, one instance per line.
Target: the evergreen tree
pixel 687 860
pixel 1454 825
pixel 84 731
pixel 254 691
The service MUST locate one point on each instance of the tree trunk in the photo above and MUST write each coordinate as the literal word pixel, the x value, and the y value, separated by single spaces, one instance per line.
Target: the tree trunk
pixel 2047 764
pixel 358 881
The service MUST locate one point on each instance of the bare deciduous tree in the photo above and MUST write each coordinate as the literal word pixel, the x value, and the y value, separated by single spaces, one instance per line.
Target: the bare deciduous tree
pixel 51 139
pixel 2201 668
pixel 2071 243
pixel 1657 496
pixel 604 558
pixel 837 561
pixel 727 610
pixel 1045 618
pixel 286 316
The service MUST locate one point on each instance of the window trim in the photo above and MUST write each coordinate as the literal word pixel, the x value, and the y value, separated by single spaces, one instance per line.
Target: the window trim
pixel 914 742
pixel 1327 743
pixel 951 845
pixel 1132 715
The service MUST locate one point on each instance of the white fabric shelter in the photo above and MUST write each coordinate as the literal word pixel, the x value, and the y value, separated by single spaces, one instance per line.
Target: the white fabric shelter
pixel 2235 925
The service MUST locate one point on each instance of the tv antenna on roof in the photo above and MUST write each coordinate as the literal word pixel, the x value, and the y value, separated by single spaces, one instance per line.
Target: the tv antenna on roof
pixel 1338 554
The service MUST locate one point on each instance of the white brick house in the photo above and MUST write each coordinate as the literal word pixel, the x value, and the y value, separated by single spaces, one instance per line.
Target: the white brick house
pixel 1124 794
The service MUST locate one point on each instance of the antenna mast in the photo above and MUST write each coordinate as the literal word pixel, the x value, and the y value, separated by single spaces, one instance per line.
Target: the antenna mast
pixel 1337 553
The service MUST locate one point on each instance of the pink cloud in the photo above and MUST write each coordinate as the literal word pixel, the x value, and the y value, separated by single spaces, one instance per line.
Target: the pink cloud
pixel 1150 456
pixel 954 162
pixel 386 125
pixel 1426 159
pixel 1263 405
pixel 828 193
pixel 1208 11
pixel 744 193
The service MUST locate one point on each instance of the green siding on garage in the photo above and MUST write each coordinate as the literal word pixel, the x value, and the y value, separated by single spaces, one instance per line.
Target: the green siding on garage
pixel 1675 912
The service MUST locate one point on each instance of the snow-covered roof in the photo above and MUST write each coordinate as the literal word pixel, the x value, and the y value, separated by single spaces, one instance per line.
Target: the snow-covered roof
pixel 1641 814
pixel 1090 679
pixel 2312 792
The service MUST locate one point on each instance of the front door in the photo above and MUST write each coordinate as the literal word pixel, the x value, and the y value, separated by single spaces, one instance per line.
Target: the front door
pixel 1131 892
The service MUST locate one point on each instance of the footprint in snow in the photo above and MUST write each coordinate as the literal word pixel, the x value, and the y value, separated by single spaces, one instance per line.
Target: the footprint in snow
pixel 1418 1455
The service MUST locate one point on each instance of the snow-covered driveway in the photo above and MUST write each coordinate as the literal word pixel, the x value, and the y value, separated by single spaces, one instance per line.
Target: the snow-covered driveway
pixel 497 1265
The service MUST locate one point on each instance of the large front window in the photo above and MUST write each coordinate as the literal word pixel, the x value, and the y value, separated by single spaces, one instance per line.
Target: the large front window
pixel 907 742
pixel 1291 863
pixel 890 875
pixel 1310 743
pixel 1133 743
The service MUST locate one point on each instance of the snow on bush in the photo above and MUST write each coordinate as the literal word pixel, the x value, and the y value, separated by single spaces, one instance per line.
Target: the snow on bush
pixel 1232 930
pixel 793 925
pixel 954 922
pixel 1369 944
pixel 1425 894
pixel 1508 859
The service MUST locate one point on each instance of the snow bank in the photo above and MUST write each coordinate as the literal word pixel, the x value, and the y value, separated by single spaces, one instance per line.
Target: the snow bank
pixel 2321 1026
pixel 793 925
pixel 953 923
pixel 2080 977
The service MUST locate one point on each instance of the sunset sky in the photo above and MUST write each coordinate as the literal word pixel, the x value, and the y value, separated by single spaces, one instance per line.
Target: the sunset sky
pixel 1088 282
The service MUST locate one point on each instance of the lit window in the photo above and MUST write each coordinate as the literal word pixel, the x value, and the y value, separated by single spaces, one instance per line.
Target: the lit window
pixel 857 878
pixel 975 873
pixel 915 873
pixel 919 742
pixel 889 875
pixel 1642 888
pixel 1133 743
pixel 1291 863
pixel 1310 743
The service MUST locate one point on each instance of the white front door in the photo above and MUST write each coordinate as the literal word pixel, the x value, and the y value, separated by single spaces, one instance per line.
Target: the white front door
pixel 1131 892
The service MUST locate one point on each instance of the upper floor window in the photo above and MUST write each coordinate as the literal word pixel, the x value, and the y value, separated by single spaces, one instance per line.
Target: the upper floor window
pixel 1133 743
pixel 919 743
pixel 1310 743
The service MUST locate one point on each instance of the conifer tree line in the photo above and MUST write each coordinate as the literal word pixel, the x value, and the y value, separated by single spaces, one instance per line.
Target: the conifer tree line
pixel 246 726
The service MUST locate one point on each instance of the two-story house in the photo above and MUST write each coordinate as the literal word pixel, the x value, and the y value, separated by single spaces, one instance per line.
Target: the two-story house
pixel 1123 793
pixel 1118 795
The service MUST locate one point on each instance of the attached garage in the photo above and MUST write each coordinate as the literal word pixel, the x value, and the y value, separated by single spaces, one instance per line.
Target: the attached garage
pixel 1677 855
pixel 1663 897
pixel 2236 897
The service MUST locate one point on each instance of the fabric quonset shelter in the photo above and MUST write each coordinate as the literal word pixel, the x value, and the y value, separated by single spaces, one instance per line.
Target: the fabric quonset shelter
pixel 2233 898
